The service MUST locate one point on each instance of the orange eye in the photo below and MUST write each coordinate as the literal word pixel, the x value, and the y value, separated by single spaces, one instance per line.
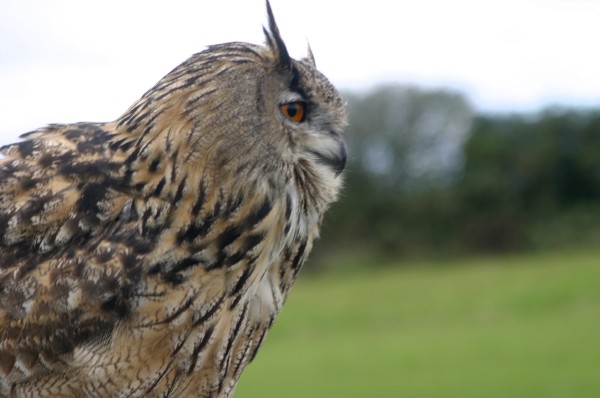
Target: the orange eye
pixel 295 111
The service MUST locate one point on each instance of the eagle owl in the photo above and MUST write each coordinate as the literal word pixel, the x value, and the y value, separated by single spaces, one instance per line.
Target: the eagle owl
pixel 149 256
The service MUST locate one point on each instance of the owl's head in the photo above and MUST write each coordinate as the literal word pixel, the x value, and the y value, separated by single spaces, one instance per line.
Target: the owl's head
pixel 242 114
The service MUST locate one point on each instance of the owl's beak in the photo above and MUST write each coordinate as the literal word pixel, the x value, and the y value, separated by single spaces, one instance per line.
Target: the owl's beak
pixel 336 161
pixel 339 162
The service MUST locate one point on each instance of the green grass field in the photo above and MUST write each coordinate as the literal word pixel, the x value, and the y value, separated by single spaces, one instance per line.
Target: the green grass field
pixel 522 326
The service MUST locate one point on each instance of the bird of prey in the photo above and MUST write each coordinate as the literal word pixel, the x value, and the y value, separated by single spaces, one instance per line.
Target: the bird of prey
pixel 148 256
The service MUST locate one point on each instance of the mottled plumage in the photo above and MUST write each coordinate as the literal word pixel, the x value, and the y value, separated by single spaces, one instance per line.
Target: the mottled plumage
pixel 149 256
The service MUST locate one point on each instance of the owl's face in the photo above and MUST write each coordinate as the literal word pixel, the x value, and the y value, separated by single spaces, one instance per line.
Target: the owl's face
pixel 314 117
pixel 309 117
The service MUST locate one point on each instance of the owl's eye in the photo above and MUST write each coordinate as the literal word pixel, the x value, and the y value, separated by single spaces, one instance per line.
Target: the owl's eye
pixel 295 111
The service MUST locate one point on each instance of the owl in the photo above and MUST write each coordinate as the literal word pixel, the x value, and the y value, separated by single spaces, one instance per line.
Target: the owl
pixel 150 255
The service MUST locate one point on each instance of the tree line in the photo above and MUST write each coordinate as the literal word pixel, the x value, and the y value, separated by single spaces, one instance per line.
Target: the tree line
pixel 429 176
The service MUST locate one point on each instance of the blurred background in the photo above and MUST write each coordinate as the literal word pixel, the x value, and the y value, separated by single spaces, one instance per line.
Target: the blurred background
pixel 463 258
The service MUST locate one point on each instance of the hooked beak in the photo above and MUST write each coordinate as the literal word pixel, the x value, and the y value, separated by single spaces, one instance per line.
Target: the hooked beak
pixel 335 161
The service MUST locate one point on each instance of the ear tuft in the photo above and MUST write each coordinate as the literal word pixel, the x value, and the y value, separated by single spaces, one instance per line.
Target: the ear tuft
pixel 309 58
pixel 275 42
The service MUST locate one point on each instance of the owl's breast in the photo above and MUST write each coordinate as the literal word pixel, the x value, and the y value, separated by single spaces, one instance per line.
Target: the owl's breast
pixel 204 308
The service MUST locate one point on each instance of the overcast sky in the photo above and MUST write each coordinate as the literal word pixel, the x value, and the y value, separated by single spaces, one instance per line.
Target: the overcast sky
pixel 72 60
